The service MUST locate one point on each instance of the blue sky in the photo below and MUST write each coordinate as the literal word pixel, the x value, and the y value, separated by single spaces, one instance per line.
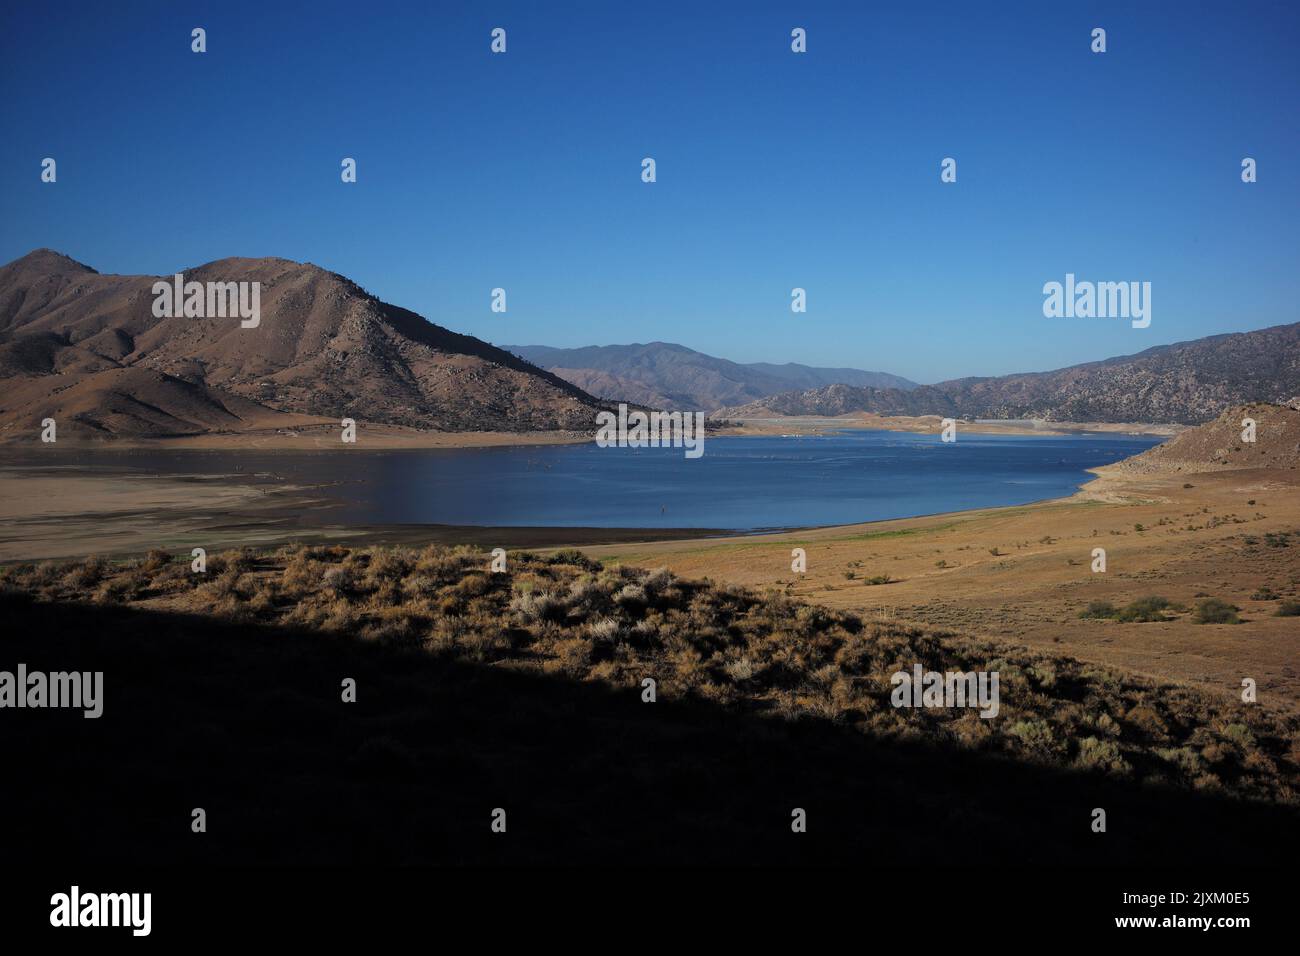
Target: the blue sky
pixel 775 170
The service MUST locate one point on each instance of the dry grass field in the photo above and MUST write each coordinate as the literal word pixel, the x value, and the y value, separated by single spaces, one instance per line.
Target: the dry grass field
pixel 1025 574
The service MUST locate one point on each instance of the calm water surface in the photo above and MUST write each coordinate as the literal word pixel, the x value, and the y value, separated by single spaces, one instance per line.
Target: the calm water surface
pixel 739 483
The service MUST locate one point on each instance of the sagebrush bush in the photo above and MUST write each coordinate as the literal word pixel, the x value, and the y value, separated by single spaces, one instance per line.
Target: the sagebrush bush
pixel 1145 609
pixel 1101 755
pixel 85 574
pixel 1099 609
pixel 1214 611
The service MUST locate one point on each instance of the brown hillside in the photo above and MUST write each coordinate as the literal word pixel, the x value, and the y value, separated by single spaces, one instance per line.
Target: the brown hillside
pixel 86 349
pixel 1217 445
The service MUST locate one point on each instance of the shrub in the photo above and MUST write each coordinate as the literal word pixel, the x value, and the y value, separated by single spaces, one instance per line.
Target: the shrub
pixel 1145 610
pixel 1288 609
pixel 474 585
pixel 537 606
pixel 1147 720
pixel 1036 735
pixel 385 564
pixel 1099 609
pixel 605 630
pixel 113 592
pixel 156 560
pixel 245 559
pixel 86 574
pixel 632 598
pixel 1214 611
pixel 1044 674
pixel 337 580
pixel 301 574
pixel 573 556
pixel 1101 755
pixel 740 670
pixel 658 581
pixel 1240 735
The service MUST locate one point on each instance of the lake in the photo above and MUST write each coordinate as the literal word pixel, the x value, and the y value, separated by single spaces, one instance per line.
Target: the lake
pixel 740 483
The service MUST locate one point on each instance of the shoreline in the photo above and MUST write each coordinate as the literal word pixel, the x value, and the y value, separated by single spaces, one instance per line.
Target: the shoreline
pixel 118 514
pixel 323 434
pixel 317 437
pixel 801 425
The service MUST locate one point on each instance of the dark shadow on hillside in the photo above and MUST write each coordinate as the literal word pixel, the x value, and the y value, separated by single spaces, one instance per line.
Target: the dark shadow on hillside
pixel 247 723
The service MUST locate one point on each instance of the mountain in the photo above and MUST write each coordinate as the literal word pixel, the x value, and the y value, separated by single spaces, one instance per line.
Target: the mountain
pixel 1217 445
pixel 86 349
pixel 672 376
pixel 1183 383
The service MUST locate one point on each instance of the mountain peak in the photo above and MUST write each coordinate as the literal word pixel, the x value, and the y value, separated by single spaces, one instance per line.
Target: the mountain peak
pixel 50 261
pixel 323 347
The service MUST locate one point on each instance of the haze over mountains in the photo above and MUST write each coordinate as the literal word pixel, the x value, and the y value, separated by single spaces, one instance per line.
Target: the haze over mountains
pixel 663 375
pixel 1183 383
pixel 86 349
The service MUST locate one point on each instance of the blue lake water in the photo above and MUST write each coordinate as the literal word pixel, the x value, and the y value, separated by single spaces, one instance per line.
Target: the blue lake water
pixel 740 483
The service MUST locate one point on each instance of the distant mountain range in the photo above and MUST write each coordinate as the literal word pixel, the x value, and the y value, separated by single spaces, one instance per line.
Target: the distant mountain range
pixel 86 349
pixel 663 375
pixel 1183 383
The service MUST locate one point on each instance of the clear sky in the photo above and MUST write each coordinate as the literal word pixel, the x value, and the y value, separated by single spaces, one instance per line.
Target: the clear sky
pixel 775 169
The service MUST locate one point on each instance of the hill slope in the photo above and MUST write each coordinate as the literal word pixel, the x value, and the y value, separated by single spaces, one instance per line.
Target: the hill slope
pixel 524 688
pixel 1183 383
pixel 672 376
pixel 1218 445
pixel 86 349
